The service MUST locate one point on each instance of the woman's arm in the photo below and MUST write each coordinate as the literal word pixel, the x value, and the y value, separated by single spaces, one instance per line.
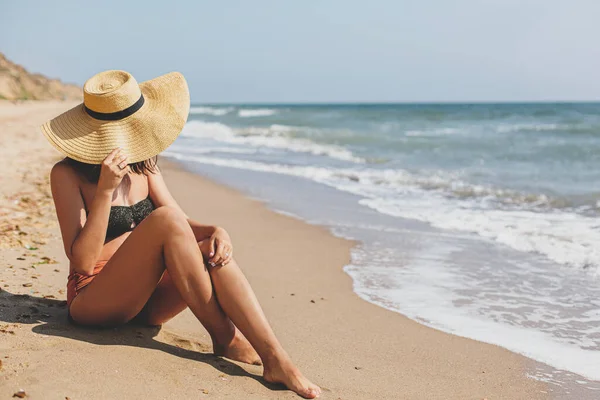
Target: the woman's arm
pixel 220 249
pixel 83 236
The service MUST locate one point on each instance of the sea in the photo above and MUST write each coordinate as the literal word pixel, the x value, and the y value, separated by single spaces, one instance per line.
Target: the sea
pixel 481 220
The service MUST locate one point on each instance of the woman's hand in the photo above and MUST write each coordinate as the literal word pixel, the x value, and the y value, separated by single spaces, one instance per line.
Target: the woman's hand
pixel 220 247
pixel 114 168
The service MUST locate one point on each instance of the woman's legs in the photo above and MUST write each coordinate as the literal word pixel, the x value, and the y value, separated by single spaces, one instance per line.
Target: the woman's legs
pixel 166 302
pixel 132 274
pixel 137 275
pixel 239 302
pixel 232 290
pixel 164 240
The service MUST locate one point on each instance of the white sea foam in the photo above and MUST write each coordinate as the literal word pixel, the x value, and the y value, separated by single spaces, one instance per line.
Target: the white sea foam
pixel 216 111
pixel 433 132
pixel 427 290
pixel 259 112
pixel 564 237
pixel 305 172
pixel 504 128
pixel 272 137
pixel 489 269
pixel 213 149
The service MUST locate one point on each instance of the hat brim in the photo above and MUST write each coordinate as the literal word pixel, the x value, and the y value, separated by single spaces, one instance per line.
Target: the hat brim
pixel 142 135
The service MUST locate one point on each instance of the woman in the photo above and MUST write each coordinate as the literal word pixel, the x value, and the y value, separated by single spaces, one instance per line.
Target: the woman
pixel 133 252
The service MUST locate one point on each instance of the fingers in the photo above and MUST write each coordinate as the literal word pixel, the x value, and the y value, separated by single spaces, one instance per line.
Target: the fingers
pixel 118 158
pixel 114 168
pixel 119 164
pixel 114 158
pixel 124 171
pixel 222 255
pixel 211 248
pixel 109 158
pixel 122 163
pixel 218 257
pixel 227 254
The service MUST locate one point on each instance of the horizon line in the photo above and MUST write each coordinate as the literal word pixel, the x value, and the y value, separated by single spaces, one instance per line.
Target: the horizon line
pixel 357 103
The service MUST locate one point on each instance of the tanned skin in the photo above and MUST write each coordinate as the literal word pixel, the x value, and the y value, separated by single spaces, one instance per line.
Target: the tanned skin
pixel 174 261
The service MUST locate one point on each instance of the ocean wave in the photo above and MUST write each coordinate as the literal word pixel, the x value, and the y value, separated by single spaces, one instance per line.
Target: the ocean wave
pixel 450 185
pixel 433 132
pixel 273 137
pixel 506 128
pixel 211 110
pixel 563 236
pixel 213 149
pixel 316 173
pixel 427 291
pixel 259 112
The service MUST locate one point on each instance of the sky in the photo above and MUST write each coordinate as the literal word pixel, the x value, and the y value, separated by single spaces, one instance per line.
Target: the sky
pixel 274 51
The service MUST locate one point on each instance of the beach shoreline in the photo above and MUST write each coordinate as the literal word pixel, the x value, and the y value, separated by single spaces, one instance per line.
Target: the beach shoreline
pixel 352 348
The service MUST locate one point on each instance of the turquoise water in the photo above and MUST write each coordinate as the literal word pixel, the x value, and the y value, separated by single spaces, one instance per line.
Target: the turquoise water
pixel 545 153
pixel 429 189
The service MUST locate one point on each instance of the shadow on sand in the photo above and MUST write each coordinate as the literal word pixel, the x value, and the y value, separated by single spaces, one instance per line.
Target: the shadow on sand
pixel 50 318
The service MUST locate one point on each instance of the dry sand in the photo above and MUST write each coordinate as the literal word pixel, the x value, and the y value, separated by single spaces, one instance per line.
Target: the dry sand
pixel 353 349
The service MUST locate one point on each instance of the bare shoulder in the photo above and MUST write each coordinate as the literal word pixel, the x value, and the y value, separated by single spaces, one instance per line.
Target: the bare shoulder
pixel 155 175
pixel 63 173
pixel 157 170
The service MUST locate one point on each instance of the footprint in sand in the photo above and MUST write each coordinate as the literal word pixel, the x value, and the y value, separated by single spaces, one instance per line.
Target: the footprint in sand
pixel 184 343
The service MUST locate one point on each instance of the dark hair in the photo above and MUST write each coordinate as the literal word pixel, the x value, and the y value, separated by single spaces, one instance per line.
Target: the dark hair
pixel 92 171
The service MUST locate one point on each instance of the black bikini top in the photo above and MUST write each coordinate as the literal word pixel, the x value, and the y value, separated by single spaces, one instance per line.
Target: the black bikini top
pixel 125 218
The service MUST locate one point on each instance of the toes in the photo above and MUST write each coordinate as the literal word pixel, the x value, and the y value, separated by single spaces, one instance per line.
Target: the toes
pixel 316 389
pixel 310 393
pixel 294 381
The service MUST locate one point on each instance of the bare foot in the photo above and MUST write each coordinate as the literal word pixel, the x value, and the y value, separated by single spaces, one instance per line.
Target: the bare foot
pixel 238 349
pixel 285 372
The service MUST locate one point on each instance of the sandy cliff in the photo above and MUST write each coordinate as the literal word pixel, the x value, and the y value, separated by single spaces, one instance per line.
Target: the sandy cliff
pixel 16 83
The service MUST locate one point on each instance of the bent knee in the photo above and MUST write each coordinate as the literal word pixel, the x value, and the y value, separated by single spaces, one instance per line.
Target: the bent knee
pixel 167 213
pixel 217 268
pixel 170 219
pixel 204 246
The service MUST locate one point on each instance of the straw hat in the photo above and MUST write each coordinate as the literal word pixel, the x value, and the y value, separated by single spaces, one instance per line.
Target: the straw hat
pixel 143 119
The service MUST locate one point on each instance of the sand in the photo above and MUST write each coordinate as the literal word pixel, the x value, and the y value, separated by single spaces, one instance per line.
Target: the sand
pixel 353 349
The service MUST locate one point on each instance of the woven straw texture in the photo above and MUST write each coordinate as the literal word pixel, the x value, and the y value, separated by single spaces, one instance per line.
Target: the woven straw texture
pixel 143 135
